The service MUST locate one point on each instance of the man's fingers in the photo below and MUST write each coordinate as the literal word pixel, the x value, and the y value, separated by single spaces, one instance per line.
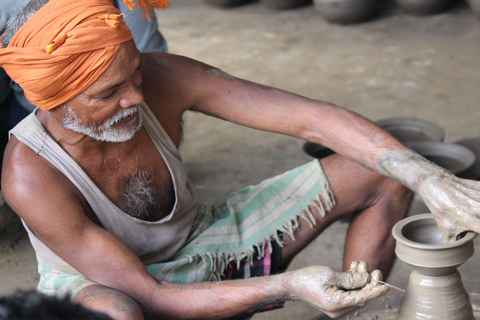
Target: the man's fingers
pixel 352 280
pixel 362 267
pixel 376 276
pixel 362 296
pixel 354 266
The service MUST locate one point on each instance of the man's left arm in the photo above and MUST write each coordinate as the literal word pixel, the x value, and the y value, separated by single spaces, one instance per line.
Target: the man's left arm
pixel 454 202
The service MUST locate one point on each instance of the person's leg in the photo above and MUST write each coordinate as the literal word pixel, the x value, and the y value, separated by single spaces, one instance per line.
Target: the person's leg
pixel 376 203
pixel 116 304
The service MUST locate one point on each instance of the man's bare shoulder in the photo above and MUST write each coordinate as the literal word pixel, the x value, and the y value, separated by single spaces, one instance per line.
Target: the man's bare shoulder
pixel 30 182
pixel 176 81
pixel 172 84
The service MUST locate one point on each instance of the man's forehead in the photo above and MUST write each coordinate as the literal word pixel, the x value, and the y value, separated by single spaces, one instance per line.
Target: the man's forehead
pixel 127 59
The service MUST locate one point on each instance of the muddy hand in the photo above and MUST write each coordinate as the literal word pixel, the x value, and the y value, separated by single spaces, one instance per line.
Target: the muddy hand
pixel 454 202
pixel 335 292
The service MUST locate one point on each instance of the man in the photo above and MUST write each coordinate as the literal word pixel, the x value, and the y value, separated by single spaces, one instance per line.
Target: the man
pixel 96 176
pixel 13 104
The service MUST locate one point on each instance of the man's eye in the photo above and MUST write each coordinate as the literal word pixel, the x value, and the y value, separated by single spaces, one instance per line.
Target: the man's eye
pixel 110 96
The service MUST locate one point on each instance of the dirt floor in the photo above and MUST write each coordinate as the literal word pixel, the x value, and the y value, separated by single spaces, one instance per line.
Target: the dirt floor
pixel 395 65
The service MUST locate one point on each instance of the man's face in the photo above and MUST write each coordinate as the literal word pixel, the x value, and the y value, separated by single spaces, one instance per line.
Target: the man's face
pixel 108 109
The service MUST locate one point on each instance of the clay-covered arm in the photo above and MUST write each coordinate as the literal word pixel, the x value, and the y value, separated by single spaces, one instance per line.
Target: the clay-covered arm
pixel 330 291
pixel 454 202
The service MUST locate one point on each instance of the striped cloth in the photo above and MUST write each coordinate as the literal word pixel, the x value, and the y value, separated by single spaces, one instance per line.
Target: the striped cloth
pixel 234 230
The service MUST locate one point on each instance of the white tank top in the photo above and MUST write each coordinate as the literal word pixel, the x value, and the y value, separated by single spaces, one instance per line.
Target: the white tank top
pixel 153 241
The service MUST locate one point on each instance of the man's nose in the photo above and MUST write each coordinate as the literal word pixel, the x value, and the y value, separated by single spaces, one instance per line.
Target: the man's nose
pixel 133 97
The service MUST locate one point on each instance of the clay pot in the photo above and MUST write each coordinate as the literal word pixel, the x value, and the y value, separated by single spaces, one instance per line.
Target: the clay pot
pixel 435 289
pixel 226 3
pixel 346 11
pixel 423 7
pixel 475 6
pixel 411 129
pixel 474 145
pixel 455 158
pixel 317 150
pixel 284 4
pixel 404 129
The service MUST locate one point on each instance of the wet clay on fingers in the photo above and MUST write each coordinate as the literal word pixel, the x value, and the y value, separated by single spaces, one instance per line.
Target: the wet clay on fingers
pixel 454 202
pixel 435 289
pixel 335 292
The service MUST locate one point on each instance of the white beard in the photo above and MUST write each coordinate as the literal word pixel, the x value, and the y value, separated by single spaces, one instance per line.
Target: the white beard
pixel 105 132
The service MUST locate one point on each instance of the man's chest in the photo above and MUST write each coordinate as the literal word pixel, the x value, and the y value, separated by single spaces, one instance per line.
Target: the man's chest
pixel 138 181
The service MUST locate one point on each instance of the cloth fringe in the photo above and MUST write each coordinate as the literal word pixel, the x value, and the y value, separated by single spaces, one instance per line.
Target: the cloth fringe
pixel 219 261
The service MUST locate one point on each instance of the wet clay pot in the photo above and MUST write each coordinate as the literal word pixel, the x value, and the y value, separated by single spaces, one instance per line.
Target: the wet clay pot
pixel 284 4
pixel 423 7
pixel 346 11
pixel 435 289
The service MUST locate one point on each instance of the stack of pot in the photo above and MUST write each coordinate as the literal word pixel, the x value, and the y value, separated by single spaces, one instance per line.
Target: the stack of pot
pixel 352 11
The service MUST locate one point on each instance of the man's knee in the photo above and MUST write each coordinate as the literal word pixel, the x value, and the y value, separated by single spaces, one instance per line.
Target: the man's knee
pixel 396 190
pixel 116 304
pixel 395 197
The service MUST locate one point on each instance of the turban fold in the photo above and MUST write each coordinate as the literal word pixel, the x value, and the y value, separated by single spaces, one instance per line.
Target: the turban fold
pixel 65 47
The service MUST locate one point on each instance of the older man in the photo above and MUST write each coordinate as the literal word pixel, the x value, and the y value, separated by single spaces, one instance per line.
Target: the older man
pixel 13 104
pixel 96 176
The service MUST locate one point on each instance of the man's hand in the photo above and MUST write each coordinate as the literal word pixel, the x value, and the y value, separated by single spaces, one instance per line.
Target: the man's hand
pixel 335 292
pixel 454 202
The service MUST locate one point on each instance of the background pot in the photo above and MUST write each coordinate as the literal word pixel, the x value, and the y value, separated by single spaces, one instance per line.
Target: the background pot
pixel 412 129
pixel 346 11
pixel 423 7
pixel 475 6
pixel 455 158
pixel 474 145
pixel 284 4
pixel 226 3
pixel 404 129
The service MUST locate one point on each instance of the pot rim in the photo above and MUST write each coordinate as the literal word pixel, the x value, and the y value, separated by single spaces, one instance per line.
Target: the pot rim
pixel 397 233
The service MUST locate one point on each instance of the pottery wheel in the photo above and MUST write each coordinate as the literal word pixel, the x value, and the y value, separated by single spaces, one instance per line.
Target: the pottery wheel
pixel 386 308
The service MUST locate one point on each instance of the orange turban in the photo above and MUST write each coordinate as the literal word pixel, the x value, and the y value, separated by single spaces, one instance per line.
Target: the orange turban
pixel 65 47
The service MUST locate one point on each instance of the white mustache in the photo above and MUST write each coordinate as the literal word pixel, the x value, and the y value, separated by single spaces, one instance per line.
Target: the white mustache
pixel 122 115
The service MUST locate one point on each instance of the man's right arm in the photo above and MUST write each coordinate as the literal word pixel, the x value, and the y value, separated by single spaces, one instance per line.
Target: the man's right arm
pixel 58 215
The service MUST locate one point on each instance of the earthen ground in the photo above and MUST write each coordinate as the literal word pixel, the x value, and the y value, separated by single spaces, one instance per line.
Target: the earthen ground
pixel 395 65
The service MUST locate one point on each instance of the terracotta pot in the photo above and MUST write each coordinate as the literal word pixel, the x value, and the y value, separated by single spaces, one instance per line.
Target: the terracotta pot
pixel 284 4
pixel 412 129
pixel 346 11
pixel 475 6
pixel 423 7
pixel 226 3
pixel 435 289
